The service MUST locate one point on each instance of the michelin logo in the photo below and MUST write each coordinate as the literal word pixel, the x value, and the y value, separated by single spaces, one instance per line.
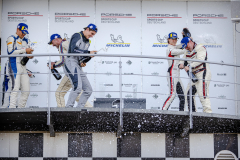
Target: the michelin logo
pixel 117 42
pixel 209 42
pixel 162 41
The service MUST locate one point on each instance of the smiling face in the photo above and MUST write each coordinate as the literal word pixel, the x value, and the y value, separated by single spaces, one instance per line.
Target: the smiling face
pixel 56 42
pixel 88 33
pixel 172 41
pixel 20 33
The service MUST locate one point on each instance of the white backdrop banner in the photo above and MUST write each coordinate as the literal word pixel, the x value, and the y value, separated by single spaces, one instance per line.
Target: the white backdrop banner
pixel 120 31
pixel 15 12
pixel 126 27
pixel 210 24
pixel 66 21
pixel 157 22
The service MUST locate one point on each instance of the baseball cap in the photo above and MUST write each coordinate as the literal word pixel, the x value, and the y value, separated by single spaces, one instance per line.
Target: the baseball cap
pixel 184 42
pixel 92 26
pixel 53 36
pixel 23 27
pixel 172 35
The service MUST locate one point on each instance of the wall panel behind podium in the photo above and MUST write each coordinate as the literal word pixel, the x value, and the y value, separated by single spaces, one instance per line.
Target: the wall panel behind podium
pixel 67 18
pixel 35 15
pixel 126 27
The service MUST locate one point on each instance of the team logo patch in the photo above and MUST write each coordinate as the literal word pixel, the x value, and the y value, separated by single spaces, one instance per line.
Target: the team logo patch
pixel 184 45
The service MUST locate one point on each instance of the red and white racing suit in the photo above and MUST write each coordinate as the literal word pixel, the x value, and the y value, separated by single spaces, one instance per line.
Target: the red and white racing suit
pixel 173 73
pixel 203 74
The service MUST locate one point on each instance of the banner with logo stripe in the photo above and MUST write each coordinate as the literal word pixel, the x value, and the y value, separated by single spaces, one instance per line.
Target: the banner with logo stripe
pixel 37 11
pixel 67 18
pixel 158 20
pixel 119 24
pixel 210 24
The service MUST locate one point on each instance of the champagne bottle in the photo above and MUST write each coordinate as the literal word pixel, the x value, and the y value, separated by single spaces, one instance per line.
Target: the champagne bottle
pixel 24 61
pixel 85 59
pixel 194 78
pixel 186 33
pixel 56 74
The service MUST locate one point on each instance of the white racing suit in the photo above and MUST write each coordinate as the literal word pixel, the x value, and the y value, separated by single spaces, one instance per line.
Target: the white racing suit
pixel 174 82
pixel 16 45
pixel 78 44
pixel 65 84
pixel 194 94
pixel 203 74
pixel 7 85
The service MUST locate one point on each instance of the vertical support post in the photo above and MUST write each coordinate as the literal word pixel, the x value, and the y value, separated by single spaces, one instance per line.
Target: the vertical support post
pixel 49 72
pixel 190 96
pixel 235 68
pixel 120 125
pixel 120 89
pixel 48 97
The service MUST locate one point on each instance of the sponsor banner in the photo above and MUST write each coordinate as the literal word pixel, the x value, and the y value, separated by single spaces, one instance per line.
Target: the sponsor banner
pixel 139 28
pixel 108 65
pixel 219 89
pixel 154 87
pixel 131 85
pixel 222 73
pixel 119 29
pixel 154 81
pixel 221 85
pixel 107 85
pixel 106 79
pixel 21 17
pixel 154 65
pixel 67 21
pixel 224 107
pixel 65 17
pixel 131 66
pixel 119 33
pixel 222 92
pixel 157 22
pixel 71 19
pixel 37 11
pixel 158 88
pixel 35 98
pixel 206 23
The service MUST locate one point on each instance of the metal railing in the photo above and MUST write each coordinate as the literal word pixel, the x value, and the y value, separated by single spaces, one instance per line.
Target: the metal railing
pixel 120 77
